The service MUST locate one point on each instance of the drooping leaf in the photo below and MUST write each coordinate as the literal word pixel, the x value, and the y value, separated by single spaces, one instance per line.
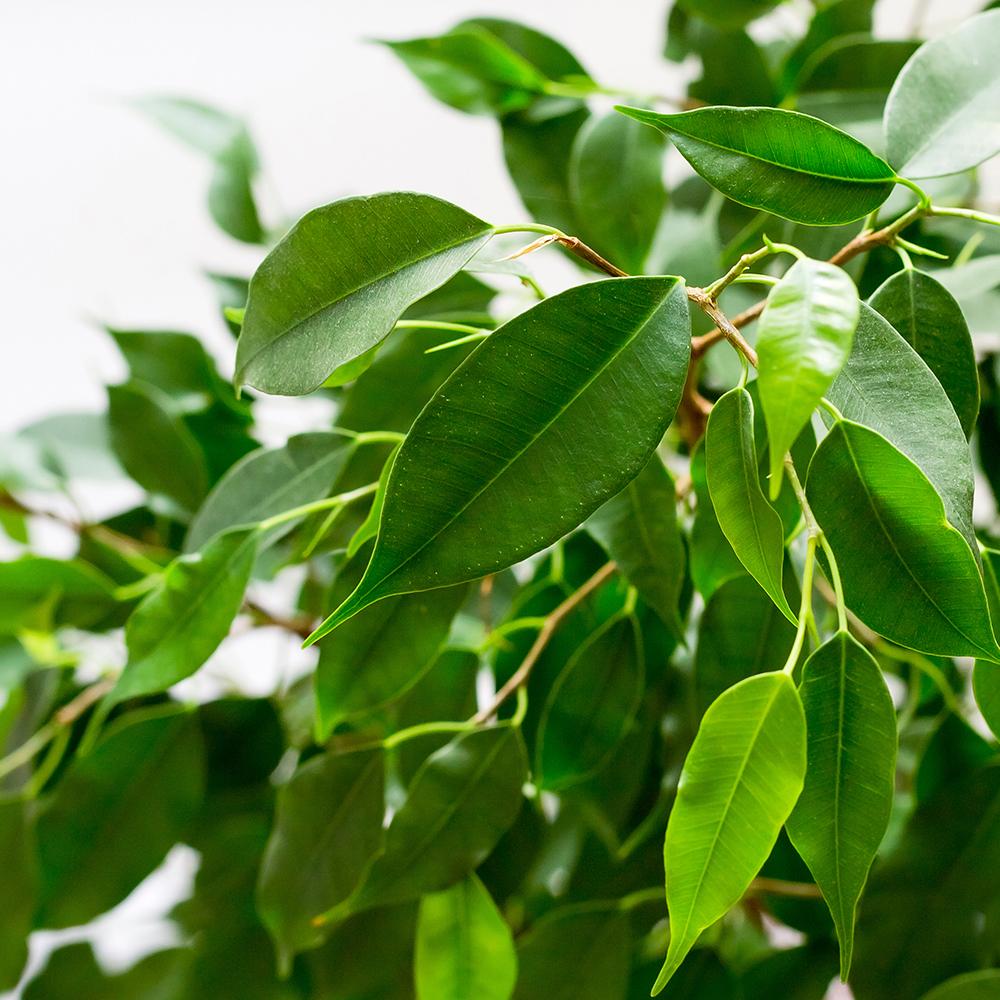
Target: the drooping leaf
pixel 182 622
pixel 748 521
pixel 527 453
pixel 981 985
pixel 741 779
pixel 68 592
pixel 924 313
pixel 269 481
pixel 116 812
pixel 616 182
pixel 20 879
pixel 592 704
pixel 805 338
pixel 459 804
pixel 880 513
pixel 638 529
pixel 941 114
pixel 842 814
pixel 327 829
pixel 335 285
pixel 464 946
pixel 779 161
pixel 888 388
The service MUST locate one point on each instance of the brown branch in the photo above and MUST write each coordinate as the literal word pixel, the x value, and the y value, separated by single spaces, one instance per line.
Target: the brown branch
pixel 575 246
pixel 300 625
pixel 782 887
pixel 523 672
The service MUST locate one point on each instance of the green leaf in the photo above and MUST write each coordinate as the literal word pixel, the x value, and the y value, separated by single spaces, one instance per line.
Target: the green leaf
pixel 458 806
pixel 741 779
pixel 17 848
pixel 748 521
pixel 887 387
pixel 728 13
pixel 335 285
pixel 576 953
pixel 843 812
pixel 269 481
pixel 638 529
pixel 924 313
pixel 741 633
pixel 981 985
pixel 154 446
pixel 525 454
pixel 941 114
pixel 116 812
pixel 327 828
pixel 182 622
pixel 616 182
pixel 954 750
pixel 592 705
pixel 880 513
pixel 780 161
pixel 464 946
pixel 986 685
pixel 805 338
pixel 69 592
pixel 380 654
pixel 74 446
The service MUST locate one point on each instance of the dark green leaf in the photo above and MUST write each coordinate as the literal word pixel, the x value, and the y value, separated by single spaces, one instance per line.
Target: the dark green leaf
pixel 740 781
pixel 728 13
pixel 780 161
pixel 327 829
pixel 335 285
pixel 526 454
pixel 986 684
pixel 713 560
pixel 842 814
pixel 116 812
pixel 982 985
pixel 880 512
pixel 17 848
pixel 181 623
pixel 954 750
pixel 464 947
pixel 940 117
pixel 928 318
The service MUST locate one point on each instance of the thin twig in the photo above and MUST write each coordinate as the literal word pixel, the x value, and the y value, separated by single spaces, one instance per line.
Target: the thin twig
pixel 782 887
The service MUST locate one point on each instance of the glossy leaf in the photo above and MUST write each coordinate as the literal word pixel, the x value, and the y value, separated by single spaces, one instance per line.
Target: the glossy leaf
pixel 327 829
pixel 878 510
pixel 842 814
pixel 115 814
pixel 592 705
pixel 886 387
pixel 17 848
pixel 805 337
pixel 741 779
pixel 335 285
pixel 981 985
pixel 779 161
pixel 458 806
pixel 464 946
pixel 531 461
pixel 269 481
pixel 616 182
pixel 182 622
pixel 748 521
pixel 638 529
pixel 924 313
pixel 941 114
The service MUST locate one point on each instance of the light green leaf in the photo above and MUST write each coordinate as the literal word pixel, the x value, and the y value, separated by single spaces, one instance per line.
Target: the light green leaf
pixel 740 781
pixel 924 313
pixel 779 161
pixel 941 114
pixel 887 387
pixel 269 481
pixel 116 812
pixel 464 946
pixel 908 574
pixel 368 528
pixel 805 338
pixel 748 521
pixel 843 812
pixel 638 529
pixel 592 705
pixel 71 592
pixel 616 183
pixel 335 285
pixel 180 624
pixel 512 440
pixel 327 828
pixel 981 985
pixel 459 804
pixel 20 881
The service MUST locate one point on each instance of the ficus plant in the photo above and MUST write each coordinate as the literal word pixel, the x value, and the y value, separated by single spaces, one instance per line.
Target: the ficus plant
pixel 651 623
